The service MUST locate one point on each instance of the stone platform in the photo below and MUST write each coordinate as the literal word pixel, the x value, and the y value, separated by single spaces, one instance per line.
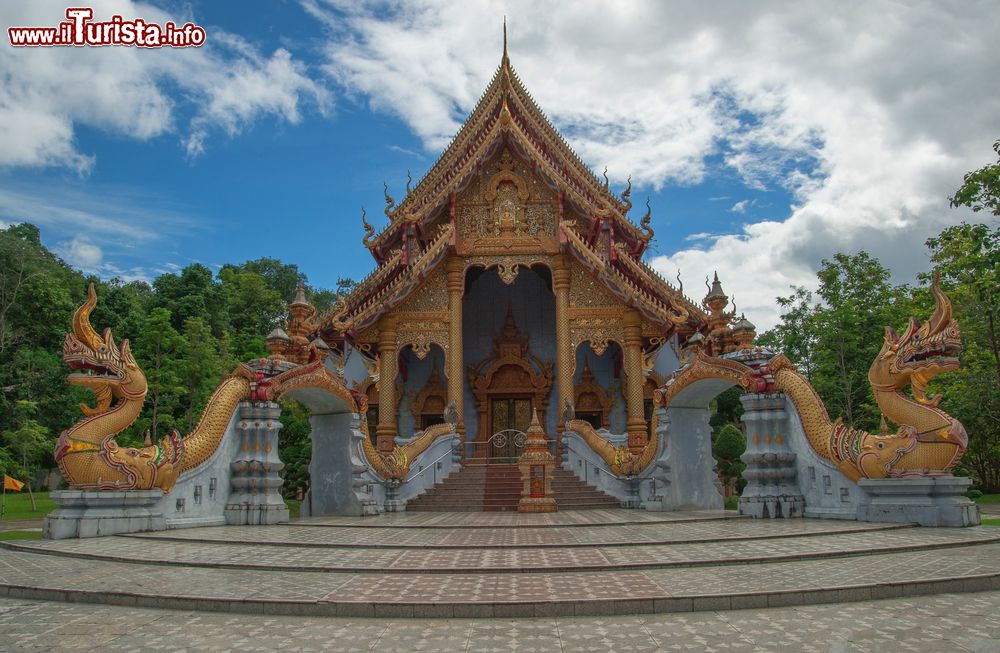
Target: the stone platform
pixel 440 565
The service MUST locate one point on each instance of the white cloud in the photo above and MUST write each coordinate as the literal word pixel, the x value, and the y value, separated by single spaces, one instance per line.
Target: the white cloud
pixel 867 113
pixel 119 219
pixel 47 93
pixel 740 207
pixel 81 253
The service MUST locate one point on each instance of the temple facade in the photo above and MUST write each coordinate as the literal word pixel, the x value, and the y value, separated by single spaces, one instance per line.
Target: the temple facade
pixel 511 279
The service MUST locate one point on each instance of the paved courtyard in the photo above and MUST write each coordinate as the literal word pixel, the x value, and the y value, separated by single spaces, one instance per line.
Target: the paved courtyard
pixel 950 623
pixel 586 580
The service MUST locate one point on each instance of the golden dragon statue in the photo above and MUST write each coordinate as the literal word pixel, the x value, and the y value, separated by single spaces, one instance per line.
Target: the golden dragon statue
pixel 620 460
pixel 395 465
pixel 87 453
pixel 928 441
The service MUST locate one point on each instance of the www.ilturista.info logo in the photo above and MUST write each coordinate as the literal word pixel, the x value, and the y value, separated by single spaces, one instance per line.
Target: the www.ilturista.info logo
pixel 79 30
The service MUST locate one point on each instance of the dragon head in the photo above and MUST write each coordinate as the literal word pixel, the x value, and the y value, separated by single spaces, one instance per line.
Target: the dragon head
pixel 108 370
pixel 922 352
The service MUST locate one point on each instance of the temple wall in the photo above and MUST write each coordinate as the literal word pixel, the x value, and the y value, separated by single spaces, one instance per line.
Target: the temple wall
pixel 483 313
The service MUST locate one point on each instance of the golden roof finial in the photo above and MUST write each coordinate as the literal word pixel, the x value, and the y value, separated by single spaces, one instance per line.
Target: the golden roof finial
pixel 409 181
pixel 627 195
pixel 389 202
pixel 646 223
pixel 505 60
pixel 369 230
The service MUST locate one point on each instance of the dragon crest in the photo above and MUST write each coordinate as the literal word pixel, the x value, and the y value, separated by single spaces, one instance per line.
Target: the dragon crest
pixel 87 453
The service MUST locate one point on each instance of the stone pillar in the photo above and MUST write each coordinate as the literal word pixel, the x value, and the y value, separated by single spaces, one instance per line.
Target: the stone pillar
pixel 456 289
pixel 772 489
pixel 565 356
pixel 385 434
pixel 634 380
pixel 256 496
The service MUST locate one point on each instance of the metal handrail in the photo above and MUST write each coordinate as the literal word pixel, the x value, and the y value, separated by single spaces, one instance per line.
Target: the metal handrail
pixel 432 464
pixel 478 444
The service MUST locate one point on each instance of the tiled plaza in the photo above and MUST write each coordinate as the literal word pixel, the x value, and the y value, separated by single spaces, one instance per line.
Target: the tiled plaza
pixel 952 623
pixel 481 565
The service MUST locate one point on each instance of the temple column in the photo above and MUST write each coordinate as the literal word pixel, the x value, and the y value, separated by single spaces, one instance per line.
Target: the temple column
pixel 565 356
pixel 385 434
pixel 456 358
pixel 634 380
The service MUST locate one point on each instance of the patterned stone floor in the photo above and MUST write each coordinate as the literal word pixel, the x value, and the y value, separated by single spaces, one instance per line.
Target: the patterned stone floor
pixel 594 562
pixel 730 549
pixel 958 623
pixel 608 517
pixel 352 534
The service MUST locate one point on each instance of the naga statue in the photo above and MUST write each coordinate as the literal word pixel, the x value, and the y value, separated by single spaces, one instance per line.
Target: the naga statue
pixel 928 441
pixel 87 453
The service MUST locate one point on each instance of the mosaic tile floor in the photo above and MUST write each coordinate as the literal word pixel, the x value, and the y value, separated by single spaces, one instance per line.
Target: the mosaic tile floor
pixel 416 566
pixel 731 548
pixel 956 623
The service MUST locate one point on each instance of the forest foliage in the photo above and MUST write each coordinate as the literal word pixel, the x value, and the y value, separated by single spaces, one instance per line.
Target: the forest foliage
pixel 187 330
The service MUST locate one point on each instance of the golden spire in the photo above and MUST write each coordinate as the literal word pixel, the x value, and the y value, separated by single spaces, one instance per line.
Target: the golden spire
pixel 505 60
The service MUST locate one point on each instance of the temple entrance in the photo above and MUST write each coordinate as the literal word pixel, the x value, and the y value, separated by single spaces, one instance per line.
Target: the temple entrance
pixel 509 417
pixel 509 341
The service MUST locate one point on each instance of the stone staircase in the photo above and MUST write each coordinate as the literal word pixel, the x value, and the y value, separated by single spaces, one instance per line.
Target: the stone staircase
pixel 497 488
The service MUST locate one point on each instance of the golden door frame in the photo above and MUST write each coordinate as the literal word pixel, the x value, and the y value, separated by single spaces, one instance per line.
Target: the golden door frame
pixel 511 371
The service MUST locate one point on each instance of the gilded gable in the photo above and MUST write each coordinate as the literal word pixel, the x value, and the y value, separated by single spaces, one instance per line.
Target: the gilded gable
pixel 507 209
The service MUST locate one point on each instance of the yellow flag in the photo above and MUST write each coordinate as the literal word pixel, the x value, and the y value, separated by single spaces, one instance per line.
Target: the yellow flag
pixel 12 483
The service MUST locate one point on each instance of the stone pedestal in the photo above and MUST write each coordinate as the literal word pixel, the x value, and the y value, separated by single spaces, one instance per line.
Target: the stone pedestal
pixel 92 513
pixel 256 485
pixel 537 465
pixel 931 501
pixel 772 489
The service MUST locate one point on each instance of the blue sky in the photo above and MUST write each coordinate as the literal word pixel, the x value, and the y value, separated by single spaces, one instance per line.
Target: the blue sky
pixel 766 137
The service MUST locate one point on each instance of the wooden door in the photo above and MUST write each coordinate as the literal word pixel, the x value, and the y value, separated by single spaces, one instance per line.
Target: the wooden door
pixel 508 413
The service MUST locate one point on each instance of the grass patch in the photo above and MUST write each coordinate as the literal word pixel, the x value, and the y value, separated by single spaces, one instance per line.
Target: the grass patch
pixel 991 522
pixel 6 536
pixel 988 498
pixel 17 505
pixel 293 508
pixel 731 503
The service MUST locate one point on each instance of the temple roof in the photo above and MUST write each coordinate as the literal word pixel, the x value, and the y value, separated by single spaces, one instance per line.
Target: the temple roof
pixel 420 229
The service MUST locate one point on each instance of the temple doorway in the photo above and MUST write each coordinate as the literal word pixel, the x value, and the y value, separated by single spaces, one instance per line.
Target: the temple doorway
pixel 509 341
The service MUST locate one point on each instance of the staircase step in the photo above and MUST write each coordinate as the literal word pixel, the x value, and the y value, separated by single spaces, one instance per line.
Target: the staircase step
pixel 497 488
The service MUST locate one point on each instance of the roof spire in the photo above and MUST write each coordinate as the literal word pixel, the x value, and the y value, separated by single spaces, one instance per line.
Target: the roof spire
pixel 505 61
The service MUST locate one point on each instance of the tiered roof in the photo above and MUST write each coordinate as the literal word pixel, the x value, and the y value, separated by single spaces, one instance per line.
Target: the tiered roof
pixel 609 243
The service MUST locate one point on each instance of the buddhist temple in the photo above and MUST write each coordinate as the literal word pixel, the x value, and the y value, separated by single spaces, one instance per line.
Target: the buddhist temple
pixel 511 279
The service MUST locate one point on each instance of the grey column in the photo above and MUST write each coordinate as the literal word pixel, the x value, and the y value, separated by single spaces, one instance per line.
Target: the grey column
pixel 772 489
pixel 256 496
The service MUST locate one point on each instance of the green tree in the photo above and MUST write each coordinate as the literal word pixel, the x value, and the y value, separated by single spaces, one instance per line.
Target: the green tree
pixel 968 257
pixel 858 302
pixel 254 308
pixel 192 293
pixel 980 190
pixel 728 446
pixel 795 335
pixel 200 368
pixel 30 440
pixel 159 351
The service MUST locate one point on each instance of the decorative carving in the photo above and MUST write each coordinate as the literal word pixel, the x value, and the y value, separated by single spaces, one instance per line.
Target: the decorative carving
pixel 591 397
pixel 430 401
pixel 511 370
pixel 598 331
